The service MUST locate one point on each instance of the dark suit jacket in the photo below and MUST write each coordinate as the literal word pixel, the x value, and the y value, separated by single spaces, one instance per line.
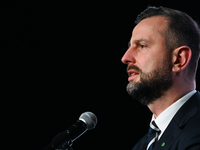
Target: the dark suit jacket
pixel 183 132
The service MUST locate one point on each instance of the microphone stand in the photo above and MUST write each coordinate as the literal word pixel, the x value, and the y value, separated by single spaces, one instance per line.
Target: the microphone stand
pixel 64 146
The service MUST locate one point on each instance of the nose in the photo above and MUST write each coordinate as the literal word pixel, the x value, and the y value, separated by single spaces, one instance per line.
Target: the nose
pixel 128 57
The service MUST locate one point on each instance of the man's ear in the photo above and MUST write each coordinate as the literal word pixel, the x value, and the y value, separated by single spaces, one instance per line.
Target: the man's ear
pixel 180 58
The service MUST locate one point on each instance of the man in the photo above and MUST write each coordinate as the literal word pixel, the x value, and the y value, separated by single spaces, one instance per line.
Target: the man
pixel 162 60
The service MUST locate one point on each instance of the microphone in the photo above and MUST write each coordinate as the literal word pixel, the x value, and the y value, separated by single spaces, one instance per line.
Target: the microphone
pixel 87 121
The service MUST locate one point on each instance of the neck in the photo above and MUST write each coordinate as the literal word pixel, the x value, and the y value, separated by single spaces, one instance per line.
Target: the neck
pixel 168 98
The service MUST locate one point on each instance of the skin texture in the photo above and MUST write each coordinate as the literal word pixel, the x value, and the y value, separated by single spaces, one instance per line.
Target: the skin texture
pixel 147 51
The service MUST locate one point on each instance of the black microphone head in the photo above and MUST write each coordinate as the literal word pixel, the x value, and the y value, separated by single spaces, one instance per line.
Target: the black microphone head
pixel 89 119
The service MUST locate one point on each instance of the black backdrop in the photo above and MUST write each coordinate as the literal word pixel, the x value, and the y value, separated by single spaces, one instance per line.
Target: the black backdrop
pixel 62 58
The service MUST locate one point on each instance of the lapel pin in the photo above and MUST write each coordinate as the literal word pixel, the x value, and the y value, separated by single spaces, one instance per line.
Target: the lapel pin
pixel 163 144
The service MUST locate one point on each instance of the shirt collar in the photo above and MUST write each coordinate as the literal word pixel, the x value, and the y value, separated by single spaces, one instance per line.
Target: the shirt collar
pixel 166 116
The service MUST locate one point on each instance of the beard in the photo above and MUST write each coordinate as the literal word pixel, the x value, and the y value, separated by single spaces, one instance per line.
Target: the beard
pixel 152 85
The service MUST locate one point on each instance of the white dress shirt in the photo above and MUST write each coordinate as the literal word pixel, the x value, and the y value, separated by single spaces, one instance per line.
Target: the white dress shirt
pixel 163 120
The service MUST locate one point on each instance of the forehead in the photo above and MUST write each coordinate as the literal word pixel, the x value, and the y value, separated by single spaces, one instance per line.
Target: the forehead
pixel 150 29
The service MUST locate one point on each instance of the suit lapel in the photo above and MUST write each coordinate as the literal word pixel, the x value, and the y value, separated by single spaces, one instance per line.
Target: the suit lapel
pixel 177 124
pixel 168 137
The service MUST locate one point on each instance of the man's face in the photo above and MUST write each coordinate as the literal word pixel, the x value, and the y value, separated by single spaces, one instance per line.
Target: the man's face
pixel 149 63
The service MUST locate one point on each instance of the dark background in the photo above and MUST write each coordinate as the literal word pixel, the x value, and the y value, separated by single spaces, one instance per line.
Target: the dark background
pixel 62 58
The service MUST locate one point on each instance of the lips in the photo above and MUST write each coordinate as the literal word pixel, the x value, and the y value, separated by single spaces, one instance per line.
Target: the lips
pixel 132 74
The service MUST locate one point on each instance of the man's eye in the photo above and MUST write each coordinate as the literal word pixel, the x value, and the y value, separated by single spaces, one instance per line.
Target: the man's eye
pixel 143 46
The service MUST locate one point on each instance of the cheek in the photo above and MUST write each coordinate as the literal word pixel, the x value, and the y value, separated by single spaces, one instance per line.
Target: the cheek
pixel 152 63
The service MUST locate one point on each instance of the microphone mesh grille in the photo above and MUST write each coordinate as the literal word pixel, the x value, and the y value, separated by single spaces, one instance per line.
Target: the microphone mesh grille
pixel 89 119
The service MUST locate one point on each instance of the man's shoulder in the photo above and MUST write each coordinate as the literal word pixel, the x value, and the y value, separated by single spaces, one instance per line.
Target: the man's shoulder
pixel 189 109
pixel 188 118
pixel 189 137
pixel 183 132
pixel 193 123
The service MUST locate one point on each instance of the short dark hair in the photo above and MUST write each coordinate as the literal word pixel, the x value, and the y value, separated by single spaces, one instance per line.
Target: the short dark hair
pixel 181 30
